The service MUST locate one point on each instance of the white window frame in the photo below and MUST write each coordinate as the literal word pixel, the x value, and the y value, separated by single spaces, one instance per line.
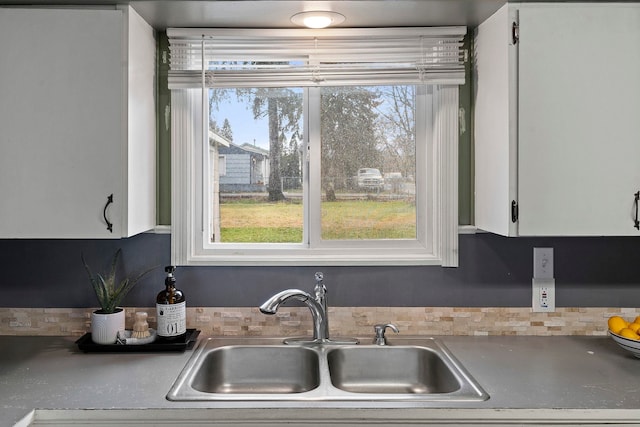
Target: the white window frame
pixel 439 219
pixel 427 57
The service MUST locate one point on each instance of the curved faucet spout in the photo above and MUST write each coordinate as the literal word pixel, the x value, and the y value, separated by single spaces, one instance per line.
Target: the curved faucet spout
pixel 318 313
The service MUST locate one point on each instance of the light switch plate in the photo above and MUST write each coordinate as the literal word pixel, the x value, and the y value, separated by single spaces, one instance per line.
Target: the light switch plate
pixel 543 263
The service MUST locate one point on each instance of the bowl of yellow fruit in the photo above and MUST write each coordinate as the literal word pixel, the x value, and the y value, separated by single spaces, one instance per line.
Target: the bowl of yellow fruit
pixel 626 334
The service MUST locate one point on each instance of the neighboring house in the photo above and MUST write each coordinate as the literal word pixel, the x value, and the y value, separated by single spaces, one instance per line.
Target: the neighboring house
pixel 243 168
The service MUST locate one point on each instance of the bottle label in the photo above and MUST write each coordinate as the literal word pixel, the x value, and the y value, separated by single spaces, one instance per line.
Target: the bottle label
pixel 172 319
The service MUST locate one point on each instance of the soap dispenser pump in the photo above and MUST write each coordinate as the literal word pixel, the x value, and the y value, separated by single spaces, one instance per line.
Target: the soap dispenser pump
pixel 171 309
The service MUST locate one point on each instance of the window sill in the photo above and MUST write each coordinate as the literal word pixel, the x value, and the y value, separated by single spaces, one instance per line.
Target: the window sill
pixel 328 257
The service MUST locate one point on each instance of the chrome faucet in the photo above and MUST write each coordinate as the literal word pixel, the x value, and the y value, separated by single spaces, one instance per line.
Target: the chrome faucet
pixel 319 312
pixel 321 297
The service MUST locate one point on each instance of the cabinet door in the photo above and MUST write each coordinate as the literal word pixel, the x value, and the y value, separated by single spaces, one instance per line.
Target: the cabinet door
pixel 61 97
pixel 578 109
pixel 495 129
pixel 141 127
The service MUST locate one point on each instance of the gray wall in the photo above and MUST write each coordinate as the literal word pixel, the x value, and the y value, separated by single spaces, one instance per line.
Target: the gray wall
pixel 494 272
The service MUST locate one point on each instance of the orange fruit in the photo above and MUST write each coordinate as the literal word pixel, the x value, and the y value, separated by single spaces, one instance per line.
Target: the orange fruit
pixel 616 324
pixel 634 326
pixel 628 333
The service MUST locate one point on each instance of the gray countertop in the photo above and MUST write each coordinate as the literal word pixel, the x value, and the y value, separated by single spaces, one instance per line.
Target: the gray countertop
pixel 523 373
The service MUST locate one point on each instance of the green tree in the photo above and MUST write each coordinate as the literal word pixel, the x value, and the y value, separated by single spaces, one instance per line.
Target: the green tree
pixel 349 133
pixel 397 122
pixel 291 161
pixel 283 109
pixel 226 131
pixel 215 97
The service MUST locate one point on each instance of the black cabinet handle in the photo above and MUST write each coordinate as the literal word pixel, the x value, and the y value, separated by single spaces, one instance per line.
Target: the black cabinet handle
pixel 636 222
pixel 104 213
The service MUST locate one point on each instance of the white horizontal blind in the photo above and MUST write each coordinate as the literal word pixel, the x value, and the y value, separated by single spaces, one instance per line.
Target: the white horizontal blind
pixel 327 57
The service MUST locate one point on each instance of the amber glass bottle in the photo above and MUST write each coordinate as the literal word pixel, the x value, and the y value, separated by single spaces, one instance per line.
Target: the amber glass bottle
pixel 171 310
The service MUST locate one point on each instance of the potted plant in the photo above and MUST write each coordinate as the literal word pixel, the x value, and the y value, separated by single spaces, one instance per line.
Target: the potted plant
pixel 109 319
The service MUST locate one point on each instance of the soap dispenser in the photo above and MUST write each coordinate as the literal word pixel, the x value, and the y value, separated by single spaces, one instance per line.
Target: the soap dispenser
pixel 171 309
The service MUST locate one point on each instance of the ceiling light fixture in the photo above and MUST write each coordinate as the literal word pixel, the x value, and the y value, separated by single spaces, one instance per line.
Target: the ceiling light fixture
pixel 317 18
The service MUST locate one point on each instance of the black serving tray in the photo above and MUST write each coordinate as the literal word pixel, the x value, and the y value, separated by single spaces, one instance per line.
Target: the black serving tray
pixel 88 346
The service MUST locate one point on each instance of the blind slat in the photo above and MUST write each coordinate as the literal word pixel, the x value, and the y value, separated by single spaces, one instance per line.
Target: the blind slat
pixel 243 58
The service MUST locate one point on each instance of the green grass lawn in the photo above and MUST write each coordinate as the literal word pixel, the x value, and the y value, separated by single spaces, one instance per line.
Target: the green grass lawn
pixel 248 221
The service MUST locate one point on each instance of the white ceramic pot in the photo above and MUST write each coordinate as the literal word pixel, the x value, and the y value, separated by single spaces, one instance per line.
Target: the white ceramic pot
pixel 105 327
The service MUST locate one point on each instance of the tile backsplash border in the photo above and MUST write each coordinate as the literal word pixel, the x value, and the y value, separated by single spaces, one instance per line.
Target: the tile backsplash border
pixel 344 321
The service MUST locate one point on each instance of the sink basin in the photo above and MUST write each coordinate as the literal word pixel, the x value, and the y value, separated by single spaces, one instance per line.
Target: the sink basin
pixel 387 369
pixel 411 369
pixel 257 369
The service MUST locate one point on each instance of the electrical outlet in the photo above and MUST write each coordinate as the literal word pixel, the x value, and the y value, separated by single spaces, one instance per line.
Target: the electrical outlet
pixel 543 263
pixel 543 295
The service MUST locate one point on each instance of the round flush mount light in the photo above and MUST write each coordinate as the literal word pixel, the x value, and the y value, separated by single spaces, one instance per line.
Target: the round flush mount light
pixel 317 19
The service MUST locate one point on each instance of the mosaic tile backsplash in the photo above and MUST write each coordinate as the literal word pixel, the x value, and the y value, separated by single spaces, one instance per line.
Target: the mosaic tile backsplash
pixel 351 321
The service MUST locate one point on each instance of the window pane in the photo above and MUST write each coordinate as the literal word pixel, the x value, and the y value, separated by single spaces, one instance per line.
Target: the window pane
pixel 257 194
pixel 368 163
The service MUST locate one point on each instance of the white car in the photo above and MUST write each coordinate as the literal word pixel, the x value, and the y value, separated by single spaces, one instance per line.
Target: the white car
pixel 370 179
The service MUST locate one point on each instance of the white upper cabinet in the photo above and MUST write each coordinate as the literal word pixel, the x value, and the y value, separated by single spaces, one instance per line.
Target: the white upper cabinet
pixel 556 111
pixel 77 123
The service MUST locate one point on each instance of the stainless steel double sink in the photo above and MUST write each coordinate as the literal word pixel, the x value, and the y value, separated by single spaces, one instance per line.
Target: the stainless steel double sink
pixel 414 369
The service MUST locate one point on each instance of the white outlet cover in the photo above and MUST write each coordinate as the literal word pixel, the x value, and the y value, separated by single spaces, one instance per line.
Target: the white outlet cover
pixel 549 286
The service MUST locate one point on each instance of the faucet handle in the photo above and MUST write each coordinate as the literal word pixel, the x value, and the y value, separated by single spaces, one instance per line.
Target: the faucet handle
pixel 380 329
pixel 320 289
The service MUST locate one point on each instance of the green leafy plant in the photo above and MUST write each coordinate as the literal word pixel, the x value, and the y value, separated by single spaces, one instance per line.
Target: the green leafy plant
pixel 110 293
